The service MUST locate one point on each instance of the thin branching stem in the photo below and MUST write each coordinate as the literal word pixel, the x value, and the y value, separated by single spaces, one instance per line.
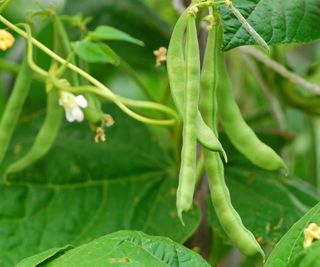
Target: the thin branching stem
pixel 280 69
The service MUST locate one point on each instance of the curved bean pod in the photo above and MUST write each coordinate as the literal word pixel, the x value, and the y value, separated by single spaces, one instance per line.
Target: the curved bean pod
pixel 220 196
pixel 13 109
pixel 230 220
pixel 237 130
pixel 177 77
pixel 45 137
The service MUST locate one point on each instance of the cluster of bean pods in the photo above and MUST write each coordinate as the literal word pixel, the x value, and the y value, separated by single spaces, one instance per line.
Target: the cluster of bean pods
pixel 203 97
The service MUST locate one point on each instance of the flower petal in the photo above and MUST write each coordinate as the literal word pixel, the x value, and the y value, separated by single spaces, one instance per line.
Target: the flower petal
pixel 68 100
pixel 69 114
pixel 77 114
pixel 81 101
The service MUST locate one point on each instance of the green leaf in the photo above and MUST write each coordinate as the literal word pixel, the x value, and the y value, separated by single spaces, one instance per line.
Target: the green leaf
pixel 306 258
pixel 43 256
pixel 95 52
pixel 267 206
pixel 130 248
pixel 108 33
pixel 82 190
pixel 278 22
pixel 306 193
pixel 290 248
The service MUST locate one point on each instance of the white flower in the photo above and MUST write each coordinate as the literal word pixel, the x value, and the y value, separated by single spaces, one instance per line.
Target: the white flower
pixel 72 105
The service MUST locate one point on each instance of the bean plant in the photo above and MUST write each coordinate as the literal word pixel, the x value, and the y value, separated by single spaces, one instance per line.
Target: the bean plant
pixel 160 133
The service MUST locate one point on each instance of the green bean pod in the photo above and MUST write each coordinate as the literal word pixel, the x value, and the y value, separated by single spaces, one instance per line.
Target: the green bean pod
pixel 208 97
pixel 45 137
pixel 177 78
pixel 220 196
pixel 237 130
pixel 13 108
pixel 229 219
pixel 187 175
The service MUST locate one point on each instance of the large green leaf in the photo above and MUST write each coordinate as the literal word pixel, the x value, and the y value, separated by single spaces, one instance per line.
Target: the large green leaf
pixel 128 248
pixel 82 190
pixel 290 252
pixel 267 203
pixel 278 22
pixel 40 258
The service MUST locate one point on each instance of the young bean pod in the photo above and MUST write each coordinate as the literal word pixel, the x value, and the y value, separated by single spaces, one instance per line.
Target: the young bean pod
pixel 176 71
pixel 13 109
pixel 230 220
pixel 220 196
pixel 45 137
pixel 237 130
pixel 187 175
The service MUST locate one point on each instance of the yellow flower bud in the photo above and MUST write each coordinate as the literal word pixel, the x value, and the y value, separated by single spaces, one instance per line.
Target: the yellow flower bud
pixel 310 233
pixel 6 40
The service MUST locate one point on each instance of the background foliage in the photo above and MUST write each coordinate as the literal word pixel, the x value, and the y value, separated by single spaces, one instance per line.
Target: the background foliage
pixel 81 190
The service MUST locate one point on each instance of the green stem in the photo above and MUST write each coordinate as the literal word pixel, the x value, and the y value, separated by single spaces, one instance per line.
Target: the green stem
pixel 121 101
pixel 62 40
pixel 57 58
pixel 148 105
pixel 31 63
pixel 209 3
pixel 281 70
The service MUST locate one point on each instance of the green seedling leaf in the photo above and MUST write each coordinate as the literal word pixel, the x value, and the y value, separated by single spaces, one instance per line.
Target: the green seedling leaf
pixel 108 33
pixel 95 52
